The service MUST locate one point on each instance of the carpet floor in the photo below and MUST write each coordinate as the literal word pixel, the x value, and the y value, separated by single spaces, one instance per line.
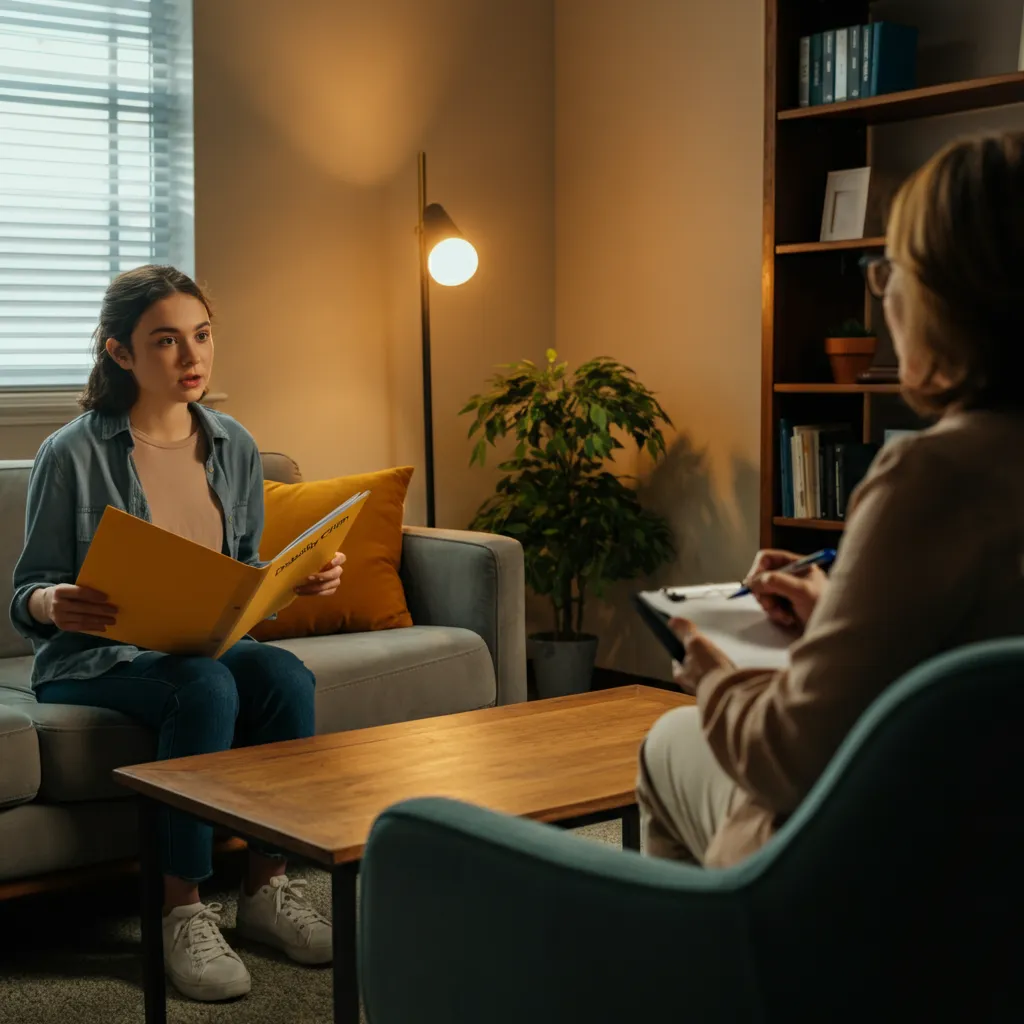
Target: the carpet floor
pixel 73 958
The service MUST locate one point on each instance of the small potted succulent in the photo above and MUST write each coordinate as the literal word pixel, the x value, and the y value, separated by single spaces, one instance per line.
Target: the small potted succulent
pixel 850 348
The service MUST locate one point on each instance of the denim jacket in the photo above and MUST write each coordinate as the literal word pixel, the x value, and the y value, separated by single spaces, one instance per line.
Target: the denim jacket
pixel 80 470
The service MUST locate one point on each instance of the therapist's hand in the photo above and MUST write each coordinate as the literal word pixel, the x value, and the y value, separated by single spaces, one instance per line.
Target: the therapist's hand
pixel 787 600
pixel 702 656
pixel 326 581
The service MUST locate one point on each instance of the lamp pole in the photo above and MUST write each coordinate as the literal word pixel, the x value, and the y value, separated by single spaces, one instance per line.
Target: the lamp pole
pixel 428 394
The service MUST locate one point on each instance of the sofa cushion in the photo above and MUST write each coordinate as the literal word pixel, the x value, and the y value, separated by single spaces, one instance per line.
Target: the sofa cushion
pixel 16 676
pixel 79 747
pixel 19 757
pixel 365 679
pixel 38 838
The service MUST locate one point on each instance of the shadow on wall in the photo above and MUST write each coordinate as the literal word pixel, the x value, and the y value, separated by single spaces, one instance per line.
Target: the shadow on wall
pixel 716 538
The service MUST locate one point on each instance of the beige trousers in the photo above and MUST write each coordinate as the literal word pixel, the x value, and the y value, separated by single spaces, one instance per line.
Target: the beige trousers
pixel 683 793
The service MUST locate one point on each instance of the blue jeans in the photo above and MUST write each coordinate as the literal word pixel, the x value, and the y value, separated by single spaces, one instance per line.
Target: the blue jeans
pixel 253 694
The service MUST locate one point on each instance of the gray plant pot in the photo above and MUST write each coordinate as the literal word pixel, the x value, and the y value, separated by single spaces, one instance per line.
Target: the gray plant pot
pixel 562 667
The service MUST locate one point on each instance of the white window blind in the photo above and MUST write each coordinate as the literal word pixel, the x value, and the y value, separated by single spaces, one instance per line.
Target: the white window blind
pixel 96 169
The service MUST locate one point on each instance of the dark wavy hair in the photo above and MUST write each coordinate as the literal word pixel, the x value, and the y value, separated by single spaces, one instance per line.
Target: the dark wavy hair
pixel 110 389
pixel 957 227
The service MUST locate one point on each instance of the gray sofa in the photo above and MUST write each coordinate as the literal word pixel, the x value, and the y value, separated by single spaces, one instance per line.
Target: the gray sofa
pixel 59 808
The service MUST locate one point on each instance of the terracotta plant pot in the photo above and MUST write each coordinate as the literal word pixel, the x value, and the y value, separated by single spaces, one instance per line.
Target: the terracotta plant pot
pixel 850 356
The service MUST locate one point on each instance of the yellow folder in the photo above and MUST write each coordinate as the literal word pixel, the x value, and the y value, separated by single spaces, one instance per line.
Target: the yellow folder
pixel 178 597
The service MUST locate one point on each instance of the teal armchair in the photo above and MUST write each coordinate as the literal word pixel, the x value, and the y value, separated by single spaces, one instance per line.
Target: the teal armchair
pixel 893 893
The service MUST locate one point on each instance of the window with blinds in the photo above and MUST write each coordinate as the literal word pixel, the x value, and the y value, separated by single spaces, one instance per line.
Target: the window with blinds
pixel 96 169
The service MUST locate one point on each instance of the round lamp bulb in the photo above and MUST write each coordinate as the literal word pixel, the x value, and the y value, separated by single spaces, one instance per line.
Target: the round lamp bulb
pixel 452 261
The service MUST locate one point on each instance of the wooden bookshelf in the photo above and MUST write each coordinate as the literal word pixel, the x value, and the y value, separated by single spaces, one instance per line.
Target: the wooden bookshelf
pixel 837 389
pixel 810 524
pixel 930 101
pixel 796 248
pixel 808 286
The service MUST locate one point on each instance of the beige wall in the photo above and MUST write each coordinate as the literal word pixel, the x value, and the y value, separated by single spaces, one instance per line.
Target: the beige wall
pixel 23 441
pixel 309 114
pixel 658 183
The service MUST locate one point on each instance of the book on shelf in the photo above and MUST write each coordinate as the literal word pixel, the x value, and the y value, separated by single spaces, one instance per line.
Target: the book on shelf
pixel 786 467
pixel 857 61
pixel 866 57
pixel 817 45
pixel 853 62
pixel 828 67
pixel 819 466
pixel 852 461
pixel 893 57
pixel 804 92
pixel 842 55
pixel 879 375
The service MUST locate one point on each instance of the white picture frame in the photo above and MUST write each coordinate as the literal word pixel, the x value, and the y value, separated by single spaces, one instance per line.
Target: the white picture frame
pixel 846 204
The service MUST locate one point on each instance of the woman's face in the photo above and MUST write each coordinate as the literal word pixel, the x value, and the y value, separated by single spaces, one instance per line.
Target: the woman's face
pixel 172 350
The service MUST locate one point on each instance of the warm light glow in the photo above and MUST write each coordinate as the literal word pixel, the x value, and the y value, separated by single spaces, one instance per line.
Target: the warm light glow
pixel 452 261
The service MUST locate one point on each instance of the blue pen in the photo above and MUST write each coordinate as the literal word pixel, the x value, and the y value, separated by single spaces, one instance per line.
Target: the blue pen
pixel 823 558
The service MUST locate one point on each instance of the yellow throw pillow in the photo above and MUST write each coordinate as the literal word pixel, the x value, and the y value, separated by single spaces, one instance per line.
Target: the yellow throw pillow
pixel 370 595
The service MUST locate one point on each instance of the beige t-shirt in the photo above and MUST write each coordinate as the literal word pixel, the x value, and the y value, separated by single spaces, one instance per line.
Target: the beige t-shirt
pixel 173 477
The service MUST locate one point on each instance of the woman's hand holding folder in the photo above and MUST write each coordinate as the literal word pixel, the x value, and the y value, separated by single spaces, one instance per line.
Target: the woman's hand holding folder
pixel 71 608
pixel 326 581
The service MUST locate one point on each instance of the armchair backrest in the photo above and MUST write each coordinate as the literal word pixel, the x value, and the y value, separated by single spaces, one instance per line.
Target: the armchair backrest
pixel 902 871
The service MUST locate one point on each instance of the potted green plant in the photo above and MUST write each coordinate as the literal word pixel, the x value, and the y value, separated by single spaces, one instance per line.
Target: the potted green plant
pixel 580 524
pixel 850 348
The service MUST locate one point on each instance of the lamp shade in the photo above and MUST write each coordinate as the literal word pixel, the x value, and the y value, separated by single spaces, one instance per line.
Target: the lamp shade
pixel 451 259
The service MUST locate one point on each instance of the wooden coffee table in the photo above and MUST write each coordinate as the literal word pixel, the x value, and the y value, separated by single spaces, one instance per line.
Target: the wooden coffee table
pixel 570 761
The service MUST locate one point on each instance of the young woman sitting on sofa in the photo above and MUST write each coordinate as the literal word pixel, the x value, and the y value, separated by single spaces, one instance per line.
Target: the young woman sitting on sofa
pixel 145 445
pixel 933 553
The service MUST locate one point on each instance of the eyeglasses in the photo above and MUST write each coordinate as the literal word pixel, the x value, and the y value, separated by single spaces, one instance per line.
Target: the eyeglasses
pixel 877 271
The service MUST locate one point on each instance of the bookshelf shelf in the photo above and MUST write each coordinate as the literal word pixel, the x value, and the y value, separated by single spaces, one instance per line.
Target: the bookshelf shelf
pixel 810 524
pixel 796 248
pixel 930 101
pixel 837 389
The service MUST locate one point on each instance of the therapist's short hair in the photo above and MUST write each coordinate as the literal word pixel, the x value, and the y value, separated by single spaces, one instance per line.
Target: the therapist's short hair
pixel 957 229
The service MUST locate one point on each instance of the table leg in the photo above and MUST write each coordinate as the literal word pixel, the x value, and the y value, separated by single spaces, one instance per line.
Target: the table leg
pixel 344 879
pixel 631 828
pixel 154 993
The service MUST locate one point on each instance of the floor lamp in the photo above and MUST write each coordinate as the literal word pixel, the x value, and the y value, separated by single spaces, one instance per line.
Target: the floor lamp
pixel 450 260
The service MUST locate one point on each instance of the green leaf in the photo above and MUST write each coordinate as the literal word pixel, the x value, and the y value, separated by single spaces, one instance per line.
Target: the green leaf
pixel 479 453
pixel 599 415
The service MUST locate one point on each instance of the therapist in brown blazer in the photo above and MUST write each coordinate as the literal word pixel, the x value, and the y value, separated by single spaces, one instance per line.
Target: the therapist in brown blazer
pixel 933 554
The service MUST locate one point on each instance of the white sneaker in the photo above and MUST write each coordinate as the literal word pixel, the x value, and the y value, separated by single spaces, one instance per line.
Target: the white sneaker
pixel 197 958
pixel 279 915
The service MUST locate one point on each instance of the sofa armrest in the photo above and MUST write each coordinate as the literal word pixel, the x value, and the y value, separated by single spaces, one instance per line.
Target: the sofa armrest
pixel 470 916
pixel 476 581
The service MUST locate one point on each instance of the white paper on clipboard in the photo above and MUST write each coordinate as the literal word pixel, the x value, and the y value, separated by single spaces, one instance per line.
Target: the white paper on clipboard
pixel 739 627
